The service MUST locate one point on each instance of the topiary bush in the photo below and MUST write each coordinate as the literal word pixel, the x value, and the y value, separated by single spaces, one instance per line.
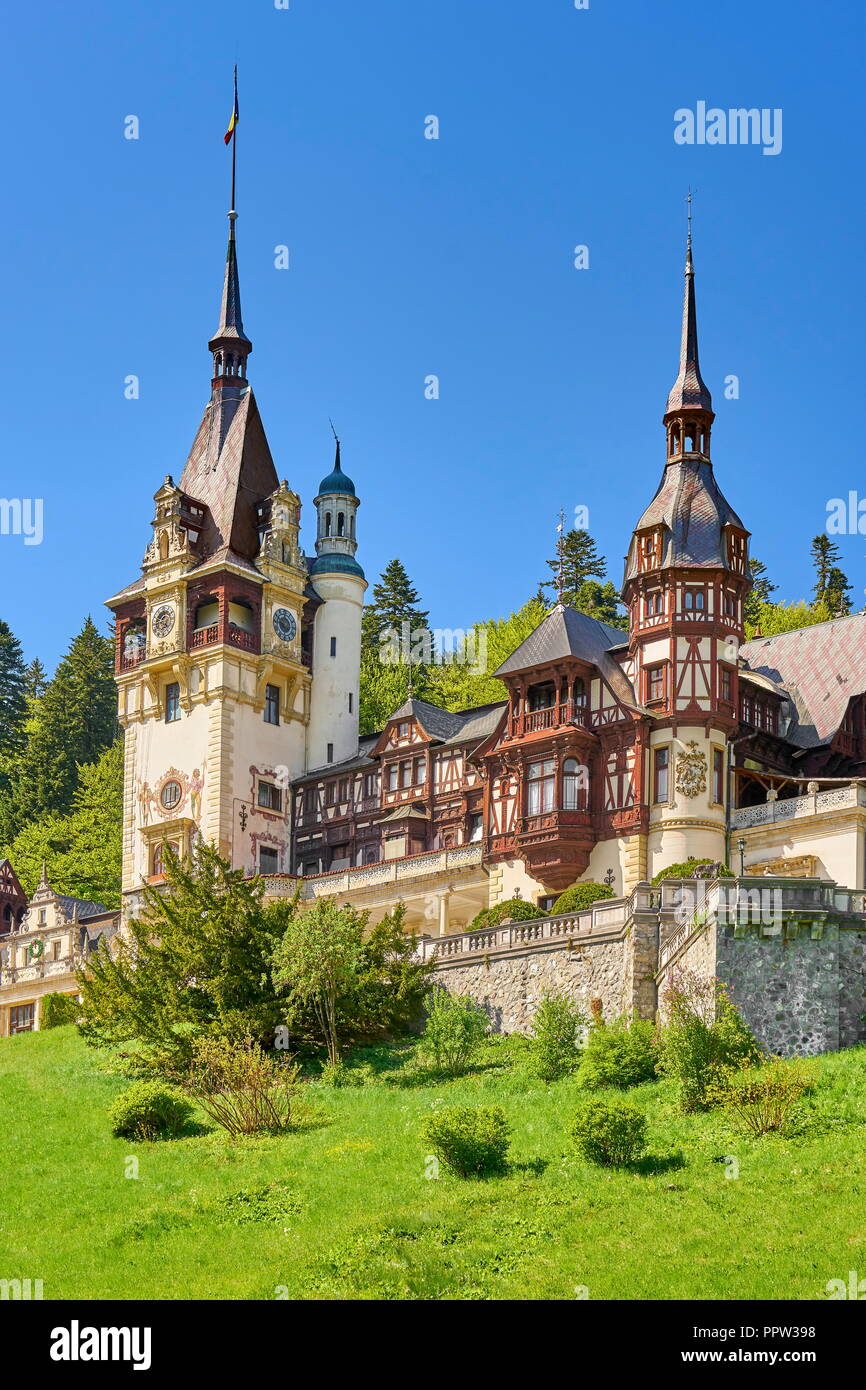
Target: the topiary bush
pixel 580 896
pixel 515 910
pixel 58 1010
pixel 621 1054
pixel 469 1140
pixel 687 870
pixel 455 1029
pixel 149 1110
pixel 609 1132
pixel 555 1043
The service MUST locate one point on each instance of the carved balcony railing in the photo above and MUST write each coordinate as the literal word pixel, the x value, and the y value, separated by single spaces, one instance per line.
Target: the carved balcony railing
pixel 239 637
pixel 412 866
pixel 205 636
pixel 551 717
pixel 771 812
pixel 129 660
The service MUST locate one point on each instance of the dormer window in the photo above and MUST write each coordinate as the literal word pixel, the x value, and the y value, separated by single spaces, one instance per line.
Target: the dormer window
pixel 541 696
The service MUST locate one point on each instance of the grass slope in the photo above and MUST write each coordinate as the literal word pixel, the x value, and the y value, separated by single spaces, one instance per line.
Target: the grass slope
pixel 342 1208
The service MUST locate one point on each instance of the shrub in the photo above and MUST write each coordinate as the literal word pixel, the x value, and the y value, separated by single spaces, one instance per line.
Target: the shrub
pixel 702 1036
pixel 763 1101
pixel 620 1054
pixel 609 1132
pixel 58 1010
pixel 554 1046
pixel 515 910
pixel 687 870
pixel 339 1074
pixel 241 1087
pixel 468 1139
pixel 149 1110
pixel 580 896
pixel 456 1027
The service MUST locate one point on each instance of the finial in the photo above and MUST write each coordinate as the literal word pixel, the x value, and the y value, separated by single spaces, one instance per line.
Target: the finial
pixel 560 545
pixel 689 200
pixel 337 468
pixel 43 882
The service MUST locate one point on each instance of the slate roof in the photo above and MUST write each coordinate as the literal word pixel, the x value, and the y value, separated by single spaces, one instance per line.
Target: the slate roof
pixel 230 470
pixel 689 391
pixel 694 512
pixel 85 907
pixel 820 668
pixel 567 632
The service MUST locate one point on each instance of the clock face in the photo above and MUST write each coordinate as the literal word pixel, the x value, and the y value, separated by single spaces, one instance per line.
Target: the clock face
pixel 163 620
pixel 284 624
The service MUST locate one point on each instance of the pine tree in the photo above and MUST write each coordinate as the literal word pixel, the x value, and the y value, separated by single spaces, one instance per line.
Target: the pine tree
pixel 578 554
pixel 836 594
pixel 824 555
pixel 395 602
pixel 35 679
pixel 13 694
pixel 73 723
pixel 759 593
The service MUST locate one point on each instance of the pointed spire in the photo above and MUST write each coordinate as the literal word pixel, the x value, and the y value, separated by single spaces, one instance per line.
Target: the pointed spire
pixel 689 391
pixel 230 344
pixel 43 881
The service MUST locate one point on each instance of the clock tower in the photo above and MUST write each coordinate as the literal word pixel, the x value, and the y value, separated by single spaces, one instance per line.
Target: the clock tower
pixel 216 641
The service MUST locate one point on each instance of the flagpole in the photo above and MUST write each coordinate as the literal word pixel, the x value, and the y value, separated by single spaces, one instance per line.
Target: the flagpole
pixel 234 139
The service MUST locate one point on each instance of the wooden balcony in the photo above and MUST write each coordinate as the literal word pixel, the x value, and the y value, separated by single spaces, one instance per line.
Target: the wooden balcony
pixel 205 636
pixel 552 717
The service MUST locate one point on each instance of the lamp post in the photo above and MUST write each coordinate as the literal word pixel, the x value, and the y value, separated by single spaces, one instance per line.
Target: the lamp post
pixel 741 846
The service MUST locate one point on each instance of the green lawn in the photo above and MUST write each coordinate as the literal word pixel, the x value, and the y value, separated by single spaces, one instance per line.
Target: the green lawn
pixel 353 1215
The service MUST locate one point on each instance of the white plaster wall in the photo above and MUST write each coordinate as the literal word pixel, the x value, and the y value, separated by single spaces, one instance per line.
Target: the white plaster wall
pixel 335 677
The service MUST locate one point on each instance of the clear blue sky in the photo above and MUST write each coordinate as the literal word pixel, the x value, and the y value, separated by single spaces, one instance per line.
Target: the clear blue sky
pixel 411 257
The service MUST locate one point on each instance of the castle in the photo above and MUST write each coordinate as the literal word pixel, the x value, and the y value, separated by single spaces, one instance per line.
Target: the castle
pixel 612 755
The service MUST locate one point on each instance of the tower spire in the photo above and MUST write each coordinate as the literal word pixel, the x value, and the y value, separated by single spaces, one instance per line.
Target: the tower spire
pixel 230 345
pixel 689 391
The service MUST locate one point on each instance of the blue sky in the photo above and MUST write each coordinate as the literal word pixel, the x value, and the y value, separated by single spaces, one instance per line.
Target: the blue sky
pixel 411 257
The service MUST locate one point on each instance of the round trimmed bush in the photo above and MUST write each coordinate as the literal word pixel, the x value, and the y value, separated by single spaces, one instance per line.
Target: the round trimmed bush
pixel 514 910
pixel 620 1054
pixel 580 896
pixel 149 1110
pixel 609 1132
pixel 468 1139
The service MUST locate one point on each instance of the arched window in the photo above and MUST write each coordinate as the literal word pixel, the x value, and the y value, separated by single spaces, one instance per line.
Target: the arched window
pixel 207 612
pixel 352 525
pixel 241 615
pixel 327 523
pixel 341 523
pixel 572 784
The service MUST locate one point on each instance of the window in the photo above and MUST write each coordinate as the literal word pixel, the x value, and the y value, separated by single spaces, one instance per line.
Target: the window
pixel 43 916
pixel 272 704
pixel 579 692
pixel 170 795
pixel 158 858
pixel 330 793
pixel 330 754
pixel 269 860
pixel 572 782
pixel 727 684
pixel 22 1018
pixel 392 775
pixel 371 855
pixel 341 523
pixel 695 600
pixel 369 786
pixel 344 789
pixel 475 828
pixel 419 771
pixel 540 782
pixel 333 646
pixel 661 766
pixel 541 696
pixel 730 606
pixel 310 866
pixel 55 950
pixel 718 776
pixel 309 801
pixel 172 702
pixel 351 701
pixel 405 774
pixel 655 683
pixel 327 523
pixel 403 730
pixel 747 709
pixel 653 603
pixel 270 796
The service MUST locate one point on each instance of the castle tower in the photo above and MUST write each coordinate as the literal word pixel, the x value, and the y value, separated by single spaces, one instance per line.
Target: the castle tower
pixel 213 678
pixel 686 581
pixel 339 580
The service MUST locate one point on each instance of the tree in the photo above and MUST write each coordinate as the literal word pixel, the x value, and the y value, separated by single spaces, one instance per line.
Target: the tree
pixel 13 694
pixel 580 559
pixel 35 679
pixel 836 594
pixel 342 981
pixel 772 618
pixel 599 601
pixel 759 593
pixel 73 723
pixel 467 680
pixel 824 554
pixel 197 964
pixel 395 602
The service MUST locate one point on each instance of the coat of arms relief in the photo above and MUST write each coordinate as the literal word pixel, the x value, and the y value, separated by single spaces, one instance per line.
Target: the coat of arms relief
pixel 691 771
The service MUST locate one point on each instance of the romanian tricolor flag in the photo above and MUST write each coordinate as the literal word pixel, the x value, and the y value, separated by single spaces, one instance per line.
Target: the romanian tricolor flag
pixel 234 116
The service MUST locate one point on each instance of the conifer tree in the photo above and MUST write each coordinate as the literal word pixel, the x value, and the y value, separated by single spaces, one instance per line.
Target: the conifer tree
pixel 395 602
pixel 13 694
pixel 73 723
pixel 580 559
pixel 35 679
pixel 824 555
pixel 760 592
pixel 836 594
